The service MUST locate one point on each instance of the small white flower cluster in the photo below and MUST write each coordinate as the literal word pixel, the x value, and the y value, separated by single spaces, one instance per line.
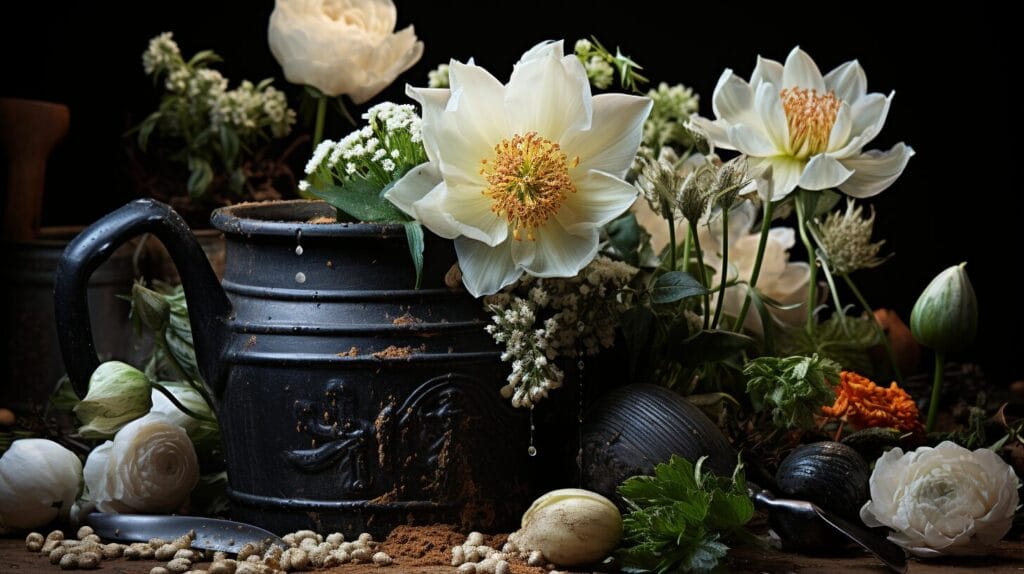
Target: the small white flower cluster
pixel 672 108
pixel 581 315
pixel 161 53
pixel 380 151
pixel 248 108
pixel 599 71
pixel 438 78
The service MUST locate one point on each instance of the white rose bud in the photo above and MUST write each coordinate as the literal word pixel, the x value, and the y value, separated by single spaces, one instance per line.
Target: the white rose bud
pixel 150 466
pixel 118 394
pixel 198 430
pixel 341 47
pixel 943 500
pixel 39 480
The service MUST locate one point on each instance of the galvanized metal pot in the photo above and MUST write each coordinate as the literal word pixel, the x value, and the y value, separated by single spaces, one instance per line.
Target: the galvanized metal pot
pixel 348 400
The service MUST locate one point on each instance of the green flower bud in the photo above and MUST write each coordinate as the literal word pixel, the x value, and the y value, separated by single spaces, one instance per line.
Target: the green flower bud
pixel 945 316
pixel 150 308
pixel 118 394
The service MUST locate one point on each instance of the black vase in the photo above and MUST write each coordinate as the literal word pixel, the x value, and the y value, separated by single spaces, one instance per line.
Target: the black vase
pixel 347 399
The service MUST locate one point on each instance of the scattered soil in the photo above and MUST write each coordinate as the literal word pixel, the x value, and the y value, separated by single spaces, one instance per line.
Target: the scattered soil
pixel 393 352
pixel 353 352
pixel 406 319
pixel 322 219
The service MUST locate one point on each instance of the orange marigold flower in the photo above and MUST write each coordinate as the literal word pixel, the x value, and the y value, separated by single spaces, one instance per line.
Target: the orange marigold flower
pixel 863 404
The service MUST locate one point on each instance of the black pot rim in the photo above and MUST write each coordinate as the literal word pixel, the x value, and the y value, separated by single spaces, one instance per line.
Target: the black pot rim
pixel 287 218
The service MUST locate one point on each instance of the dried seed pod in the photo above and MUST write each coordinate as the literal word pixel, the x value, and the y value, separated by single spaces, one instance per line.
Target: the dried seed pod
pixel 146 553
pixel 35 537
pixel 335 539
pixel 69 562
pixel 382 559
pixel 348 547
pixel 222 567
pixel 184 541
pixel 361 555
pixel 87 547
pixel 94 538
pixel 509 548
pixel 220 556
pixel 289 539
pixel 179 565
pixel 165 552
pixel 536 558
pixel 342 556
pixel 83 532
pixel 57 553
pixel 132 553
pixel 55 535
pixel 297 558
pixel 113 550
pixel 486 566
pixel 155 543
pixel 467 568
pixel 34 546
pixel 246 551
pixel 502 567
pixel 159 570
pixel 254 559
pixel 89 561
pixel 188 554
pixel 366 538
pixel 49 545
pixel 304 534
pixel 474 539
pixel 471 554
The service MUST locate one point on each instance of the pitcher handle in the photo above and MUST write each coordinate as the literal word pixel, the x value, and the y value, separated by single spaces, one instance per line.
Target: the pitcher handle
pixel 208 305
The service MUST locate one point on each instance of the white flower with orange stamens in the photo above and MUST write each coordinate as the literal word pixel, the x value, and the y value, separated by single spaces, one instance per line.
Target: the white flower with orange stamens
pixel 522 175
pixel 810 128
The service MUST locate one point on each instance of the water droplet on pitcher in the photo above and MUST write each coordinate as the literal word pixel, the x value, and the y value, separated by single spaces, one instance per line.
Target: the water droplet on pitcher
pixel 300 277
pixel 532 451
pixel 298 250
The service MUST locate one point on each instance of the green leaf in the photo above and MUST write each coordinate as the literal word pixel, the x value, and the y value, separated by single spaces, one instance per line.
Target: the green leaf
pixel 146 128
pixel 626 237
pixel 414 236
pixel 674 286
pixel 360 199
pixel 200 177
pixel 204 57
pixel 712 345
pixel 793 388
pixel 848 347
pixel 228 145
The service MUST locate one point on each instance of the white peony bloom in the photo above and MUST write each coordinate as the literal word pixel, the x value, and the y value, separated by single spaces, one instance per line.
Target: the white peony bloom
pixel 150 466
pixel 811 129
pixel 942 500
pixel 522 175
pixel 341 46
pixel 39 481
pixel 782 280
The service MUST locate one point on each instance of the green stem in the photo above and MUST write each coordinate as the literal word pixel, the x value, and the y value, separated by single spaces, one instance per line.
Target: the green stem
pixel 686 251
pixel 766 224
pixel 878 328
pixel 178 405
pixel 835 296
pixel 725 269
pixel 321 115
pixel 670 218
pixel 161 343
pixel 812 287
pixel 933 405
pixel 345 113
pixel 702 273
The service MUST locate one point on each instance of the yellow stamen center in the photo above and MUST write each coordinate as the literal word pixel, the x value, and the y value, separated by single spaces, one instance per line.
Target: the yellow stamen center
pixel 528 181
pixel 811 116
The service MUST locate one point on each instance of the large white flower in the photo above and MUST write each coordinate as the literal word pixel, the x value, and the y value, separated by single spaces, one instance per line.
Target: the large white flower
pixel 39 481
pixel 522 175
pixel 780 279
pixel 341 46
pixel 150 466
pixel 942 500
pixel 810 128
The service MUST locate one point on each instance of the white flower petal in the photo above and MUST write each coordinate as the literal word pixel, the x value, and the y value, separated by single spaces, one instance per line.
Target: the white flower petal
pixel 874 171
pixel 823 172
pixel 715 130
pixel 800 71
pixel 841 129
pixel 768 71
pixel 599 198
pixel 769 108
pixel 749 140
pixel 556 252
pixel 486 269
pixel 414 186
pixel 868 115
pixel 848 81
pixel 611 142
pixel 733 99
pixel 549 95
pixel 785 173
pixel 543 50
pixel 433 101
pixel 453 210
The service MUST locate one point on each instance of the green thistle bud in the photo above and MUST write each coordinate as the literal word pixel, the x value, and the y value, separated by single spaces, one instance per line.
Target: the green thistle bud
pixel 150 308
pixel 118 394
pixel 945 317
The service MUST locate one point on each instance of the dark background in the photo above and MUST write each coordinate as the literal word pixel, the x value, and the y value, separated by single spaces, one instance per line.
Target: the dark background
pixel 959 199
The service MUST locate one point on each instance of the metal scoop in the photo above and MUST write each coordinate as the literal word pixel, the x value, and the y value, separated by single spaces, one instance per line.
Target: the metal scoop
pixel 211 533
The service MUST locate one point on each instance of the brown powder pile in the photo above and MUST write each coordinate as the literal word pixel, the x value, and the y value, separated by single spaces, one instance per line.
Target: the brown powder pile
pixel 323 219
pixel 406 319
pixel 423 545
pixel 353 352
pixel 393 352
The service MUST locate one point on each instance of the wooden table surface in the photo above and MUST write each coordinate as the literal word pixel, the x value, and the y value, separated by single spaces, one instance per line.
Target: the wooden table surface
pixel 1008 557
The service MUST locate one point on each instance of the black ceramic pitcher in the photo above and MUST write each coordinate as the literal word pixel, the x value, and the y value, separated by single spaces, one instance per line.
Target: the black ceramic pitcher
pixel 347 399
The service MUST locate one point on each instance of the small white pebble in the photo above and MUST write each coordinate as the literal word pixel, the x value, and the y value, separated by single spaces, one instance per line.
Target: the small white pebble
pixel 381 559
pixel 179 565
pixel 69 562
pixel 55 535
pixel 536 558
pixel 113 550
pixel 335 539
pixel 486 566
pixel 502 567
pixel 467 568
pixel 458 556
pixel 159 570
pixel 89 561
pixel 474 539
pixel 165 552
